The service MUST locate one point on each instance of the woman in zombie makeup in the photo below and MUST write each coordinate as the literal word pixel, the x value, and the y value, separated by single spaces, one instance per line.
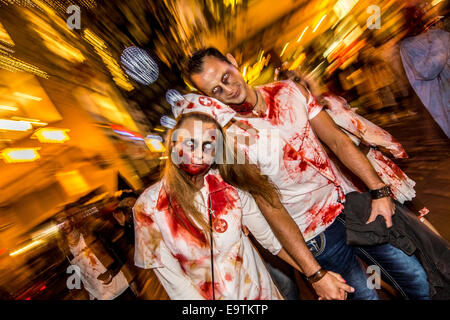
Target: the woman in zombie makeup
pixel 189 225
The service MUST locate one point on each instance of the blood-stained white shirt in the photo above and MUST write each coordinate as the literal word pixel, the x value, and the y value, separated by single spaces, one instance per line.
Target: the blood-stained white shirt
pixel 179 253
pixel 285 148
pixel 90 268
pixel 359 128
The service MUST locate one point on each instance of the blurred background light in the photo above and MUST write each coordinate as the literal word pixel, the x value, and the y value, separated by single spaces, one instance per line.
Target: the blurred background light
pixel 13 125
pixel 8 108
pixel 168 122
pixel 301 36
pixel 319 23
pixel 173 96
pixel 27 247
pixel 51 135
pixel 343 7
pixel 26 96
pixel 138 64
pixel 16 155
pixel 101 49
pixel 284 49
pixel 155 145
pixel 73 182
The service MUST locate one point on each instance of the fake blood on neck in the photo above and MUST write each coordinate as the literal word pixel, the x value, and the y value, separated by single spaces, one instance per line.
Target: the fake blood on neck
pixel 179 224
pixel 244 108
pixel 222 197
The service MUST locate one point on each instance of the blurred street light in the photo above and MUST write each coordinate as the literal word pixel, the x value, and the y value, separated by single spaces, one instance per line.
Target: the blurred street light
pixel 13 125
pixel 51 135
pixel 15 155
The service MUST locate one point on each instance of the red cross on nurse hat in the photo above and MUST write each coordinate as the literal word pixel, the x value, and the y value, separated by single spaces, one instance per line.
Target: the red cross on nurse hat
pixel 198 103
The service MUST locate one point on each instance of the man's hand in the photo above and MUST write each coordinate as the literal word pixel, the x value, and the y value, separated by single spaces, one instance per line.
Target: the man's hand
pixel 332 287
pixel 384 207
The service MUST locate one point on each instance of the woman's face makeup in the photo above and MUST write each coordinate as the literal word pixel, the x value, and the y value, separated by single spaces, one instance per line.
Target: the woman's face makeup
pixel 195 145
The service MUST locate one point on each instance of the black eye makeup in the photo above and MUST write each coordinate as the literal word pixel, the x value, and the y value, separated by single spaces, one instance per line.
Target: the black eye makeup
pixel 225 78
pixel 189 144
pixel 217 90
pixel 208 146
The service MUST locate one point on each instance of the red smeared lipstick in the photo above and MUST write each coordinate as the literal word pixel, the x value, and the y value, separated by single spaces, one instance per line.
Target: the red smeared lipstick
pixel 194 169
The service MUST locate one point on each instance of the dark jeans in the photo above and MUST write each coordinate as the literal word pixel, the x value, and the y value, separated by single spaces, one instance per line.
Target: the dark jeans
pixel 284 283
pixel 403 272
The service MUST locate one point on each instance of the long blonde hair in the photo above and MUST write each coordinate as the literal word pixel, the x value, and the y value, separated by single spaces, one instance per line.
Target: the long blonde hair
pixel 181 190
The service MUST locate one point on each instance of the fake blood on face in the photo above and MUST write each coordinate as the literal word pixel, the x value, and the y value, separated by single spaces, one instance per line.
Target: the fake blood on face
pixel 189 167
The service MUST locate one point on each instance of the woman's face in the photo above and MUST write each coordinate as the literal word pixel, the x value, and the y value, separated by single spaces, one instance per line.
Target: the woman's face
pixel 195 145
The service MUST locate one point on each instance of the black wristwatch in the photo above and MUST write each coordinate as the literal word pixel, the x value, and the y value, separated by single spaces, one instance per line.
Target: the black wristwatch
pixel 383 192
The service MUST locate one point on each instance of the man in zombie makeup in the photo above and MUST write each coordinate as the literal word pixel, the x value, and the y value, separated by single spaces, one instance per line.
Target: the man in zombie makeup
pixel 312 189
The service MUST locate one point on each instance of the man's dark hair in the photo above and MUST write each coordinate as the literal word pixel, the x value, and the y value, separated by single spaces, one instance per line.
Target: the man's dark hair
pixel 195 63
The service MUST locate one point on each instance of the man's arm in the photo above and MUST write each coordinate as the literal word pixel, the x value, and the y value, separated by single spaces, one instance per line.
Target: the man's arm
pixel 296 253
pixel 355 160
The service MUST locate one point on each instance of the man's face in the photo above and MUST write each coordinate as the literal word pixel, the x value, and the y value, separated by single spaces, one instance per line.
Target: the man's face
pixel 222 81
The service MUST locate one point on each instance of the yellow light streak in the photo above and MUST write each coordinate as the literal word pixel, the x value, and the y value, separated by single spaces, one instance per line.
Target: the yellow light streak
pixel 12 64
pixel 298 61
pixel 4 36
pixel 26 248
pixel 8 108
pixel 244 71
pixel 319 23
pixel 301 36
pixel 261 55
pixel 30 120
pixel 284 49
pixel 101 49
pixel 26 96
